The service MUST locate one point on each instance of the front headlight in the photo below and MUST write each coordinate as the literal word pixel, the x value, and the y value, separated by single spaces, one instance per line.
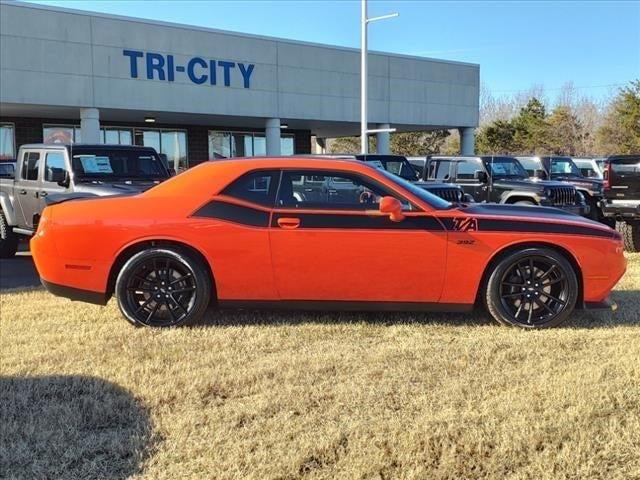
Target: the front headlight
pixel 580 197
pixel 548 192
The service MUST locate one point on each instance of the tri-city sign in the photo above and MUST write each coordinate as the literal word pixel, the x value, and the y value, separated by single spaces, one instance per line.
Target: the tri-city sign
pixel 198 70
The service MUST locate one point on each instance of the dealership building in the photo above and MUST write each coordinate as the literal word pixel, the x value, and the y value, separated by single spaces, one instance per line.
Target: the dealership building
pixel 199 94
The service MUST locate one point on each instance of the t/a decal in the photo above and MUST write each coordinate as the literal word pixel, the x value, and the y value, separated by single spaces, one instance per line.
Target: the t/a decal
pixel 465 224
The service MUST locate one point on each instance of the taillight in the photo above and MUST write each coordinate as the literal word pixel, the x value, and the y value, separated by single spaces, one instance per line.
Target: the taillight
pixel 606 175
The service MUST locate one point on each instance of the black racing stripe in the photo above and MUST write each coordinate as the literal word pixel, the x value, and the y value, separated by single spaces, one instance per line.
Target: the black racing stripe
pixel 494 225
pixel 233 213
pixel 355 221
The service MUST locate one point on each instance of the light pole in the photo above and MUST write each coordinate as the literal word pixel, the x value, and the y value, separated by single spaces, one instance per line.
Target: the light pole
pixel 364 132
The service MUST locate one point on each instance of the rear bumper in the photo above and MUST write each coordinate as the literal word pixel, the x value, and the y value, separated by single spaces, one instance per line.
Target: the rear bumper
pixel 621 209
pixel 75 294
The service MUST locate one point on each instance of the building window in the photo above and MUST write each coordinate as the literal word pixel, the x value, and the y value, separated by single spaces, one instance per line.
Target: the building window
pixel 7 141
pixel 244 144
pixel 61 134
pixel 172 143
pixel 117 136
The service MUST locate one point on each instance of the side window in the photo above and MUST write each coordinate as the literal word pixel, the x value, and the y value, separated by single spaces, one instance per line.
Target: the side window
pixel 53 161
pixel 346 192
pixel 30 165
pixel 255 187
pixel 440 170
pixel 467 170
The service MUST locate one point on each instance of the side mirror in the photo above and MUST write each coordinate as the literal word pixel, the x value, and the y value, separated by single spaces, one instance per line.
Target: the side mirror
pixel 539 173
pixel 392 207
pixel 172 172
pixel 481 176
pixel 59 176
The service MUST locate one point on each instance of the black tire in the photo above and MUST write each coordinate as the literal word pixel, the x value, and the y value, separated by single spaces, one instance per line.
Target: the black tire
pixel 630 232
pixel 163 287
pixel 526 203
pixel 539 282
pixel 8 239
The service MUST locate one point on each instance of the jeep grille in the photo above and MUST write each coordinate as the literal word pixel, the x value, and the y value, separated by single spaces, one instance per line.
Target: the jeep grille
pixel 449 194
pixel 563 196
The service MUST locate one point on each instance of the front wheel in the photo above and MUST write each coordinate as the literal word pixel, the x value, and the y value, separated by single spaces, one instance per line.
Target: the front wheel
pixel 163 287
pixel 533 288
pixel 526 203
pixel 8 239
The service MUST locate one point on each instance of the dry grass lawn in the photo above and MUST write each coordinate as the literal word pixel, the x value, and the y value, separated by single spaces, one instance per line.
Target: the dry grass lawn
pixel 270 395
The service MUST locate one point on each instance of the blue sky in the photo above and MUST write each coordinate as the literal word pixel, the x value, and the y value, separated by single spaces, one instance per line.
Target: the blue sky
pixel 595 45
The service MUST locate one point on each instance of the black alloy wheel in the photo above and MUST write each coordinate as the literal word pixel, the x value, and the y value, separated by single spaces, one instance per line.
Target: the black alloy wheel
pixel 163 288
pixel 536 288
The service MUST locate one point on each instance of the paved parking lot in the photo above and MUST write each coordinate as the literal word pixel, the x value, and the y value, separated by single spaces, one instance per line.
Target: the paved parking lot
pixel 18 271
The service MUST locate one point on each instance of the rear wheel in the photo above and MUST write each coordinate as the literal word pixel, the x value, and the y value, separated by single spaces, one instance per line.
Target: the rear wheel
pixel 163 287
pixel 533 288
pixel 630 232
pixel 8 239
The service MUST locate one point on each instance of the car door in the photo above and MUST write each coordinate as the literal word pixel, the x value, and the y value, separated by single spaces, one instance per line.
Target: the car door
pixel 466 175
pixel 624 178
pixel 54 160
pixel 27 190
pixel 348 251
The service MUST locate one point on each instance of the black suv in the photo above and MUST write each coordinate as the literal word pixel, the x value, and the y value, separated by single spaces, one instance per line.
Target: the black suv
pixel 501 179
pixel 565 170
pixel 400 166
pixel 622 197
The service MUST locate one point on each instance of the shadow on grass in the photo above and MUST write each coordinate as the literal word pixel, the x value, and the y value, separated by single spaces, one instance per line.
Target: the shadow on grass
pixel 68 427
pixel 628 314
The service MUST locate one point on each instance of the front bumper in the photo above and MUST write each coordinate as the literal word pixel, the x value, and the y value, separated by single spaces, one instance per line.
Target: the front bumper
pixel 75 294
pixel 607 305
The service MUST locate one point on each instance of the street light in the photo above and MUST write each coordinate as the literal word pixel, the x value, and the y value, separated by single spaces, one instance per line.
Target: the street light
pixel 364 133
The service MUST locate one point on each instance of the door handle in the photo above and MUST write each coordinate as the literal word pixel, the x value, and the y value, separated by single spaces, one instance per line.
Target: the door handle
pixel 23 192
pixel 332 191
pixel 288 223
pixel 43 194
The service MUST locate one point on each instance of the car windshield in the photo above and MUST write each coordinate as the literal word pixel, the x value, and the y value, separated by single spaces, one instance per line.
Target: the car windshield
pixel 564 167
pixel 433 200
pixel 397 166
pixel 117 164
pixel 505 167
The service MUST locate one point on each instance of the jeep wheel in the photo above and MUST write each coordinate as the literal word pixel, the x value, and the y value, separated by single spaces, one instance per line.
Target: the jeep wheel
pixel 630 232
pixel 163 287
pixel 526 203
pixel 533 288
pixel 8 239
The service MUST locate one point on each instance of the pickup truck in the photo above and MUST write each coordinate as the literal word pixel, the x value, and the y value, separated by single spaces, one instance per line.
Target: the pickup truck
pixel 502 179
pixel 44 171
pixel 563 169
pixel 622 197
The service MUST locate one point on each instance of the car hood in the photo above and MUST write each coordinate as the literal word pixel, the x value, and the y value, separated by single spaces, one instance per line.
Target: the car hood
pixel 436 185
pixel 115 188
pixel 533 219
pixel 528 184
pixel 593 184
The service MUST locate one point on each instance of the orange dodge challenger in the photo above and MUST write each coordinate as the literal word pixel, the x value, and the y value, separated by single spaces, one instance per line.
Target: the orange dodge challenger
pixel 317 233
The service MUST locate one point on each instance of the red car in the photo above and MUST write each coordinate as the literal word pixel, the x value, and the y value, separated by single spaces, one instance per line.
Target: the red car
pixel 324 234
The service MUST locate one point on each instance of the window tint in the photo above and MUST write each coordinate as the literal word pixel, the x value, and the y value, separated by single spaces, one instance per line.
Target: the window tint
pixel 255 187
pixel 467 170
pixel 53 161
pixel 329 191
pixel 30 165
pixel 440 169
